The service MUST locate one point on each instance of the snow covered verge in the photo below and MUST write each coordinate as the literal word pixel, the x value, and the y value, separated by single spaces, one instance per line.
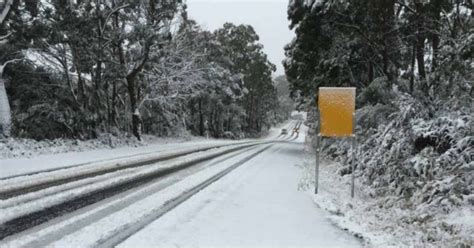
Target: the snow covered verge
pixel 415 175
pixel 385 221
pixel 27 148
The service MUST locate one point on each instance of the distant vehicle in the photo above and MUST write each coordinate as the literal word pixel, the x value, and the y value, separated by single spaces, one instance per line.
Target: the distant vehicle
pixel 298 117
pixel 284 131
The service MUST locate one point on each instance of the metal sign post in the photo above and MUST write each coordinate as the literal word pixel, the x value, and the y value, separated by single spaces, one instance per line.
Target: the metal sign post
pixel 336 119
pixel 353 147
pixel 318 144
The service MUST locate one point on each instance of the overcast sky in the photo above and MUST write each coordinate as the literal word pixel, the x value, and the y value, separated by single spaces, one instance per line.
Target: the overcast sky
pixel 268 17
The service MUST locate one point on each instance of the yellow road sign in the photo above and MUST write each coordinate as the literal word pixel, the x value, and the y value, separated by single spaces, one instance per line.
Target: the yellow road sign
pixel 336 108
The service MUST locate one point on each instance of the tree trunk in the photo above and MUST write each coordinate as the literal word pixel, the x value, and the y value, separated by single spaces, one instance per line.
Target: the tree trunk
pixel 113 116
pixel 5 113
pixel 5 11
pixel 420 54
pixel 371 73
pixel 136 119
pixel 137 124
pixel 412 69
pixel 420 40
pixel 435 44
pixel 201 118
pixel 391 43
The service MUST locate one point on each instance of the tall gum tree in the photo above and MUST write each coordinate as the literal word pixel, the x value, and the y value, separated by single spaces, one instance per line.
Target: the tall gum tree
pixel 6 10
pixel 142 27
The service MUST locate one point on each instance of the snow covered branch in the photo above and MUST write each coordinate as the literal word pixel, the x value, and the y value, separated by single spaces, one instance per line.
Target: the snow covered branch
pixel 2 67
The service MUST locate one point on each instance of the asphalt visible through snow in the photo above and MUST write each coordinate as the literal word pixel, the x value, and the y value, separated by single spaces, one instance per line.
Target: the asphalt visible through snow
pixel 257 205
pixel 238 196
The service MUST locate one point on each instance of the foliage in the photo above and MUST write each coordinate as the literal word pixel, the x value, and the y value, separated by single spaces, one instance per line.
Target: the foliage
pixel 125 66
pixel 412 64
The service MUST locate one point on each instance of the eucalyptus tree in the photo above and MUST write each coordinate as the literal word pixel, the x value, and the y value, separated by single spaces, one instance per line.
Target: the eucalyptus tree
pixel 351 43
pixel 246 57
pixel 15 19
pixel 140 28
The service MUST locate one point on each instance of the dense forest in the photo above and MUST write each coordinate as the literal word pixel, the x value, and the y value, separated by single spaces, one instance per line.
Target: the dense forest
pixel 76 69
pixel 412 64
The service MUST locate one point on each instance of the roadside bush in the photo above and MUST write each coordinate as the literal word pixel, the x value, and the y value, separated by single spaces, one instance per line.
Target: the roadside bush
pixel 47 110
pixel 409 151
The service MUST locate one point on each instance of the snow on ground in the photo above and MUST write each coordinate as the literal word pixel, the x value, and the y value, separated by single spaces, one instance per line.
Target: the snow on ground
pixel 48 233
pixel 12 208
pixel 257 205
pixel 60 153
pixel 377 221
pixel 144 209
pixel 28 148
pixel 18 166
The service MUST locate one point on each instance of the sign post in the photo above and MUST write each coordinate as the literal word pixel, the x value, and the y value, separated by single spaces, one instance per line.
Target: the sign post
pixel 336 119
pixel 318 144
pixel 353 147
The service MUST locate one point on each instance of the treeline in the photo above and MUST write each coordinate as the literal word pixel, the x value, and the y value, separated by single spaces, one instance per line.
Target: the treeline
pixel 412 64
pixel 424 47
pixel 79 68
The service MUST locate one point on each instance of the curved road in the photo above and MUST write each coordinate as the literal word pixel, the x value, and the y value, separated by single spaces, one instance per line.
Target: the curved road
pixel 257 205
pixel 227 197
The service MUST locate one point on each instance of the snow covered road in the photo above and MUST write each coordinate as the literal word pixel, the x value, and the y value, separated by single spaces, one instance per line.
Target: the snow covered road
pixel 257 205
pixel 243 195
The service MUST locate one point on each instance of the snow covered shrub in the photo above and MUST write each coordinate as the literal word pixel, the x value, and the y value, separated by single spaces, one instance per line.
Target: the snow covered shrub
pixel 229 135
pixel 405 152
pixel 440 132
pixel 379 91
pixel 47 110
pixel 18 147
pixel 372 116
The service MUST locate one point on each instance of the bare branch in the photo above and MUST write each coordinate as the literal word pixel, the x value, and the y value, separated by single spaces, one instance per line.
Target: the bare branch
pixel 5 36
pixel 402 3
pixel 110 15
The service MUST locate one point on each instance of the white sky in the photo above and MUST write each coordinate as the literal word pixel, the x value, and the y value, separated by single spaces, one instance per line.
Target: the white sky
pixel 268 17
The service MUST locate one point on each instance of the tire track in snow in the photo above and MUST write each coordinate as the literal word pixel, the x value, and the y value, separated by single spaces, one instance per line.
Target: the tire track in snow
pixel 12 187
pixel 50 232
pixel 119 237
pixel 24 222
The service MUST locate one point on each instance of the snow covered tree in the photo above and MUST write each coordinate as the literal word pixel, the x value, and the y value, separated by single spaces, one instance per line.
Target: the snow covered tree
pixel 141 28
pixel 13 13
pixel 247 58
pixel 285 104
pixel 90 67
pixel 411 62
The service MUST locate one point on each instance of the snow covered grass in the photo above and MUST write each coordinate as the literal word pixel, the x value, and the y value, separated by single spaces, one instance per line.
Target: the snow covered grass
pixel 25 148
